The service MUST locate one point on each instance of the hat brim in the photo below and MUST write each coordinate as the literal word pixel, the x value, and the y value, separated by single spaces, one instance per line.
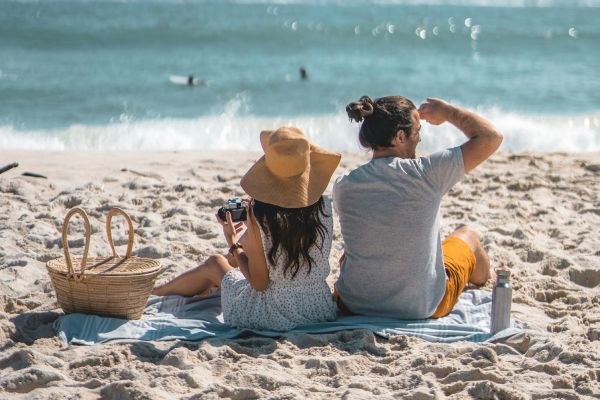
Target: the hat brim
pixel 294 192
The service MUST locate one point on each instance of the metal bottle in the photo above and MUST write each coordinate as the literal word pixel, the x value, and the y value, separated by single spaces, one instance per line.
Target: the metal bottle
pixel 501 301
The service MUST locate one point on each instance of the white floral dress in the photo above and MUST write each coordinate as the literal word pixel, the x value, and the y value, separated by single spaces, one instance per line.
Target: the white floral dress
pixel 287 302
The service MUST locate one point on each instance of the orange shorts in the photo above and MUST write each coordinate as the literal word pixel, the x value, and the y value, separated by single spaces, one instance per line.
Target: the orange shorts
pixel 459 261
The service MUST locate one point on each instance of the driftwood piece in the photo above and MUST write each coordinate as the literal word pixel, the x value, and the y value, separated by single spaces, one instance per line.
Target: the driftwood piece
pixel 34 175
pixel 8 167
pixel 144 174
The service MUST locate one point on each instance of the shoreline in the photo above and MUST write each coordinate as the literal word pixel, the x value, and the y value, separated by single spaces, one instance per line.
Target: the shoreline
pixel 539 211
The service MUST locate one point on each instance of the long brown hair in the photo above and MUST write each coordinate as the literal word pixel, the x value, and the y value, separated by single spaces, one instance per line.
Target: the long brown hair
pixel 294 230
pixel 382 119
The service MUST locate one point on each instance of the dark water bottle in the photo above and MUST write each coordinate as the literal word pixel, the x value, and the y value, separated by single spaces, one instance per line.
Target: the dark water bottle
pixel 501 301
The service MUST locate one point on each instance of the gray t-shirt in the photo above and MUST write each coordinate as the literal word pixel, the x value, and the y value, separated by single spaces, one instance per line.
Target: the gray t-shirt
pixel 389 215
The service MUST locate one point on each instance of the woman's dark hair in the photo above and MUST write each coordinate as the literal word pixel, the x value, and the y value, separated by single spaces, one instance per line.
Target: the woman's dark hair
pixel 383 118
pixel 294 230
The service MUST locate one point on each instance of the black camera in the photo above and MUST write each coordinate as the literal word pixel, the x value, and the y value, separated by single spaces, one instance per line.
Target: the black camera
pixel 237 208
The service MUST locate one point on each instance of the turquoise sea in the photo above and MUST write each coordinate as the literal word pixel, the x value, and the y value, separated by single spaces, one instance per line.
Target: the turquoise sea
pixel 95 74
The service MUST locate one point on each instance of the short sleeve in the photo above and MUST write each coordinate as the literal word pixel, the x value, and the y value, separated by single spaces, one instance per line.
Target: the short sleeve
pixel 335 194
pixel 444 169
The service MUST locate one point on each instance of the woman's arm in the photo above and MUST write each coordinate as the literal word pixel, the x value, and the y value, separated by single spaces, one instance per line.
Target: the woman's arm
pixel 250 258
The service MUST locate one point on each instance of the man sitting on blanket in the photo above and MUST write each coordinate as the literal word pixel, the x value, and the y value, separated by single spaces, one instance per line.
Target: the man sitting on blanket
pixel 395 264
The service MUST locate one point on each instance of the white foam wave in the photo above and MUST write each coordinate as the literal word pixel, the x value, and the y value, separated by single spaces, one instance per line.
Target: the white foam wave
pixel 568 133
pixel 574 133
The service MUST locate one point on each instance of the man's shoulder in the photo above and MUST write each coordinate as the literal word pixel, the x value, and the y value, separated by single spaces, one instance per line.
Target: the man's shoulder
pixel 446 155
pixel 383 170
pixel 352 175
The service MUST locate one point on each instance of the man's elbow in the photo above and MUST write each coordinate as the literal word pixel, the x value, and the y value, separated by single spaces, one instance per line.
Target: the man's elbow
pixel 497 140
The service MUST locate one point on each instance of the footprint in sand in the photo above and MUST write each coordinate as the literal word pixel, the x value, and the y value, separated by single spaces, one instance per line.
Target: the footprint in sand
pixel 585 277
pixel 24 381
pixel 180 358
pixel 548 296
pixel 593 333
pixel 553 264
pixel 18 360
pixel 532 256
pixel 549 271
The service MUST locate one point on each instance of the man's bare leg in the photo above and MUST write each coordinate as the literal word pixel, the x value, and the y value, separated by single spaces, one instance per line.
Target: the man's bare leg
pixel 482 271
pixel 198 280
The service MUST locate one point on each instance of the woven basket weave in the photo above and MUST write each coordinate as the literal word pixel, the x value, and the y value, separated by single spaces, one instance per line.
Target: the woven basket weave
pixel 109 286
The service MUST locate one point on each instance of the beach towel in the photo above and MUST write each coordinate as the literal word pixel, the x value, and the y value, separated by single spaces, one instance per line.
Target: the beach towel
pixel 192 319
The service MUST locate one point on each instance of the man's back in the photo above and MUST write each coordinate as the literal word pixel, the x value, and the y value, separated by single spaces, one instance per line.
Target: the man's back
pixel 388 210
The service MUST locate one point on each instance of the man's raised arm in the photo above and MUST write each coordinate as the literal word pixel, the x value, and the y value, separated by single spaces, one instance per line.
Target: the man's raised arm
pixel 484 139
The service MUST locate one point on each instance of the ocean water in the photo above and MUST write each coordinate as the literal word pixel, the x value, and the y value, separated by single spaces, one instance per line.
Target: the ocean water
pixel 95 74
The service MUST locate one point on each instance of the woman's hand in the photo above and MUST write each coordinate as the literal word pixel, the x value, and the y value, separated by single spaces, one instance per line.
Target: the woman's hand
pixel 253 230
pixel 230 231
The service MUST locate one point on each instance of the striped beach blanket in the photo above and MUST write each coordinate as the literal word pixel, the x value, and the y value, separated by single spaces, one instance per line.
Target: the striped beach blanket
pixel 182 318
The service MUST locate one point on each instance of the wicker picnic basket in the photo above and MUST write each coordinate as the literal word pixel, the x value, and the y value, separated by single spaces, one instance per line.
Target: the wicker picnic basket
pixel 109 286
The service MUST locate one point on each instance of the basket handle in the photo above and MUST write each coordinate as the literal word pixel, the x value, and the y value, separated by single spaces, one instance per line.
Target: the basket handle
pixel 112 212
pixel 65 228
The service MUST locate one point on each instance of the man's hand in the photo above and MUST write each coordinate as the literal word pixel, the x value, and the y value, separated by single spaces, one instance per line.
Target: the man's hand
pixel 436 111
pixel 484 139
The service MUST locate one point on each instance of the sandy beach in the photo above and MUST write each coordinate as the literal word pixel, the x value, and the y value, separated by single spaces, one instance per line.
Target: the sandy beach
pixel 539 214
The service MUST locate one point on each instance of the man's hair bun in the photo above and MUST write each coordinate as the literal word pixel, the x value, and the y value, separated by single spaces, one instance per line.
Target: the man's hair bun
pixel 361 109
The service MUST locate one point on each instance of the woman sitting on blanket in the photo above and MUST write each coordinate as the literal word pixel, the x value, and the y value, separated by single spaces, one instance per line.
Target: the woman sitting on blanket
pixel 275 276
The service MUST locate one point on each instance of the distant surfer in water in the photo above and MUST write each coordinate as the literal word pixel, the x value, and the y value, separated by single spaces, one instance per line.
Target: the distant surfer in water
pixel 193 81
pixel 189 80
pixel 303 73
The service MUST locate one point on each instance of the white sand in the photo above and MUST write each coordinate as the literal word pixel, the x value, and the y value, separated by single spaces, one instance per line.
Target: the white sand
pixel 540 213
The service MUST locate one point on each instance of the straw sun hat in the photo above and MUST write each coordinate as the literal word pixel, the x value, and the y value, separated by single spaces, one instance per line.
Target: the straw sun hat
pixel 293 173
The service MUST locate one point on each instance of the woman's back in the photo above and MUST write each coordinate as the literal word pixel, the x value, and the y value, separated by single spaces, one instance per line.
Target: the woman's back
pixel 287 302
pixel 319 255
